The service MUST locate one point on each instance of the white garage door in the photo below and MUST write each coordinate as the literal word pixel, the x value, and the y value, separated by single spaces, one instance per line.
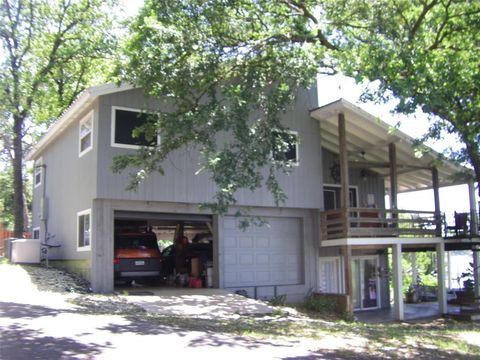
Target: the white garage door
pixel 267 255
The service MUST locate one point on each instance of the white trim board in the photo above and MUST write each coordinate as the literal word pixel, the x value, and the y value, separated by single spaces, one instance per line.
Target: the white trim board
pixel 382 241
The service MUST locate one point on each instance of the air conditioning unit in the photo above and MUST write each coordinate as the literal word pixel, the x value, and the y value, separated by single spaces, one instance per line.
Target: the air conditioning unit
pixel 25 251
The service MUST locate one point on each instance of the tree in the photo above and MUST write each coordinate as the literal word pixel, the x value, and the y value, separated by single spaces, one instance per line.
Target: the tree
pixel 51 50
pixel 235 66
pixel 424 53
pixel 225 67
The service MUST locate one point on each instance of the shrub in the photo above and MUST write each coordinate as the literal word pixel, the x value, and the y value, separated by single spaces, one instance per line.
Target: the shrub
pixel 319 304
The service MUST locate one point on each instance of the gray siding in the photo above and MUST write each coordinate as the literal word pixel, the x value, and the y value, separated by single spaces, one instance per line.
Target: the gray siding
pixel 70 186
pixel 180 184
pixel 373 184
pixel 102 228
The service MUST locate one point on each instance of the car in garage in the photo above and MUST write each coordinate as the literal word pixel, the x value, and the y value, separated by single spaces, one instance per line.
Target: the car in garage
pixel 137 256
pixel 202 251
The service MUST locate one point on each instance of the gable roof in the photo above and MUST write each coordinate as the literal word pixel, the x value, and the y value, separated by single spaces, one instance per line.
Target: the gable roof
pixel 367 147
pixel 83 101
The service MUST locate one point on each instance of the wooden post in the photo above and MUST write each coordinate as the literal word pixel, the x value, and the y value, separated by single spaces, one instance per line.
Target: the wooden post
pixel 473 233
pixel 473 209
pixel 397 281
pixel 442 290
pixel 347 258
pixel 476 272
pixel 344 180
pixel 392 155
pixel 436 197
pixel 342 142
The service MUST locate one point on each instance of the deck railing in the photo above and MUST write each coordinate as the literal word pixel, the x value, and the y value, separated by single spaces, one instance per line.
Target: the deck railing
pixel 370 222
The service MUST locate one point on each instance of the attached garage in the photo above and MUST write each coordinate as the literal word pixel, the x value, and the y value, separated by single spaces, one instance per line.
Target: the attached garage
pixel 263 256
pixel 182 245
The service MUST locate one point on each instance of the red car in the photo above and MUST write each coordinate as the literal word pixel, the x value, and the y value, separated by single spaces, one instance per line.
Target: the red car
pixel 136 255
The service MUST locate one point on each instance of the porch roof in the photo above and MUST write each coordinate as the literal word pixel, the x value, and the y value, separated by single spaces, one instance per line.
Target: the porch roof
pixel 367 147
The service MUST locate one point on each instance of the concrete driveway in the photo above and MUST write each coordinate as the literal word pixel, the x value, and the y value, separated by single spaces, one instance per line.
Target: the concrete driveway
pixel 204 303
pixel 46 325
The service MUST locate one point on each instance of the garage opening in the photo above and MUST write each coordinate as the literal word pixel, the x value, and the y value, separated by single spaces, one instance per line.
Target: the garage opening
pixel 161 249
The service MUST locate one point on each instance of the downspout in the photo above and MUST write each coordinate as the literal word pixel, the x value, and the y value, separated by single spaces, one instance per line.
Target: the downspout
pixel 43 202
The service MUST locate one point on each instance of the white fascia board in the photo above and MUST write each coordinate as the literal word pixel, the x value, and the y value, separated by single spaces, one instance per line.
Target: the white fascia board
pixel 382 241
pixel 83 100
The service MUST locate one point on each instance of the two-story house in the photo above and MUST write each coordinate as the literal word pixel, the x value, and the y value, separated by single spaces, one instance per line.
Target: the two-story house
pixel 333 233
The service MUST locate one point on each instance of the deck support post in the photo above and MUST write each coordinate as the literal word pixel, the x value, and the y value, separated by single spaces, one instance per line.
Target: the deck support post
pixel 392 156
pixel 473 209
pixel 397 281
pixel 442 289
pixel 436 198
pixel 473 233
pixel 347 258
pixel 344 180
pixel 476 272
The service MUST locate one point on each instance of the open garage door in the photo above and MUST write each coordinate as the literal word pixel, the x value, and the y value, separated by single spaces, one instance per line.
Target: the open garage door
pixel 270 255
pixel 184 243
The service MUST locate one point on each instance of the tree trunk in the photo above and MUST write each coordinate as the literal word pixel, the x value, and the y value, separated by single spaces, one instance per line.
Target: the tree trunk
pixel 18 201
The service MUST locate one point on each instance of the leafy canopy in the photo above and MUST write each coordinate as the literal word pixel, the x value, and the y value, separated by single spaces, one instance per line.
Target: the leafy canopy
pixel 424 53
pixel 50 51
pixel 233 67
pixel 224 67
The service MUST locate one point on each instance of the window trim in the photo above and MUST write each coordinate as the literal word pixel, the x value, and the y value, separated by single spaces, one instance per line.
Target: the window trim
pixel 88 117
pixel 112 128
pixel 295 162
pixel 37 168
pixel 33 233
pixel 79 214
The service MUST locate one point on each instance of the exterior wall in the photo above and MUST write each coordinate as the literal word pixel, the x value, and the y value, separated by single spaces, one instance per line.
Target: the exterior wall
pixel 383 264
pixel 373 184
pixel 180 184
pixel 103 223
pixel 68 187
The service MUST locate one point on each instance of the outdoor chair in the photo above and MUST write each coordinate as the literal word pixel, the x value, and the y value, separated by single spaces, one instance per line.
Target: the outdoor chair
pixel 460 227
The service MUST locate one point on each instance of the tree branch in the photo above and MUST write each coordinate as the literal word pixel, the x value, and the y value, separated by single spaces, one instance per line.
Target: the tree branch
pixel 426 8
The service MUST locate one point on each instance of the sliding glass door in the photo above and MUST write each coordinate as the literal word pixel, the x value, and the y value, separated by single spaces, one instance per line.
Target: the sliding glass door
pixel 365 282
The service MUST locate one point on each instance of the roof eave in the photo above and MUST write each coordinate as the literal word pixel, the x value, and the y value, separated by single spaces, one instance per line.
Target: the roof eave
pixel 84 100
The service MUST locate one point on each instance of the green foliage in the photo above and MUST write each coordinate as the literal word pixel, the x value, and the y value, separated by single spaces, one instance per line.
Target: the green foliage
pixel 319 304
pixel 278 300
pixel 468 280
pixel 7 198
pixel 423 53
pixel 51 50
pixel 225 71
pixel 426 270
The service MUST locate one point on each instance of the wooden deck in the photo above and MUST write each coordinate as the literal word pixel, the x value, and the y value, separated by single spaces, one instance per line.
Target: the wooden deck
pixel 370 222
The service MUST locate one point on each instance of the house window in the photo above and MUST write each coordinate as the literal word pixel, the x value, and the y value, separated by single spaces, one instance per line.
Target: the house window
pixel 37 176
pixel 84 233
pixel 36 233
pixel 287 148
pixel 124 122
pixel 85 135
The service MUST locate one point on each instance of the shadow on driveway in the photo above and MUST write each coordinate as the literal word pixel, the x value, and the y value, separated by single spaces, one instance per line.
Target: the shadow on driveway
pixel 18 343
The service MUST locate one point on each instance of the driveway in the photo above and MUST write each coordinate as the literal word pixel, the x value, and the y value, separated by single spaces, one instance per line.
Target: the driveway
pixel 44 325
pixel 204 303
